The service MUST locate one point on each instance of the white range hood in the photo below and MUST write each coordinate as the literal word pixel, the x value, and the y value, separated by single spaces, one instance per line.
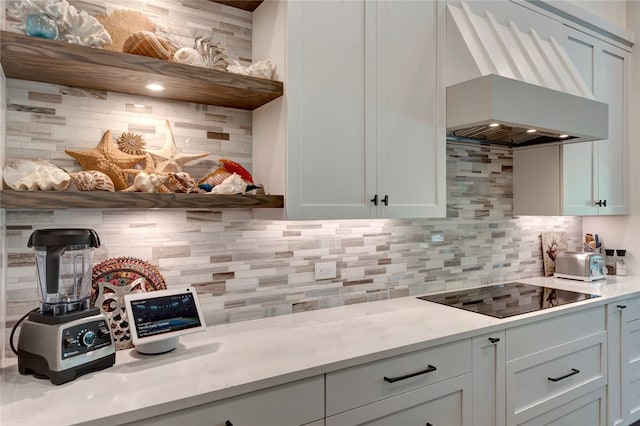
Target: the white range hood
pixel 517 89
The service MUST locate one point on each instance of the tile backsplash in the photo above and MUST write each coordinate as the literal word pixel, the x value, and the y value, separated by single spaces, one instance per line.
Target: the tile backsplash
pixel 245 268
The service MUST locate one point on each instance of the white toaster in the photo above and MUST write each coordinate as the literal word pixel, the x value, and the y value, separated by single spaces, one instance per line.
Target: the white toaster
pixel 580 266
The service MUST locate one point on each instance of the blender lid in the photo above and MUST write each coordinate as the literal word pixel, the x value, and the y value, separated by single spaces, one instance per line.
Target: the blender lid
pixel 64 237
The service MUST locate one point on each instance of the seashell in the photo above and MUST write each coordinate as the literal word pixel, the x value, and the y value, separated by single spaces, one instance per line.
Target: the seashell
pixel 214 178
pixel 35 174
pixel 131 143
pixel 92 180
pixel 150 182
pixel 146 43
pixel 122 23
pixel 181 182
pixel 74 26
pixel 189 56
pixel 234 184
pixel 213 55
pixel 261 69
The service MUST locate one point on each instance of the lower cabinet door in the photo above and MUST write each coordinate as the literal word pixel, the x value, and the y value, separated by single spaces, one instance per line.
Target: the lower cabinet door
pixel 447 403
pixel 588 410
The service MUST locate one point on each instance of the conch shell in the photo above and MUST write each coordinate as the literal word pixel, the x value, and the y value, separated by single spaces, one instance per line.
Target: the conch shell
pixel 214 178
pixel 92 180
pixel 181 182
pixel 146 43
pixel 35 174
pixel 148 182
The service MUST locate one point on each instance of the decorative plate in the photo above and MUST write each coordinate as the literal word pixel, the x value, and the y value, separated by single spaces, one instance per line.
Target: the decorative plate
pixel 114 278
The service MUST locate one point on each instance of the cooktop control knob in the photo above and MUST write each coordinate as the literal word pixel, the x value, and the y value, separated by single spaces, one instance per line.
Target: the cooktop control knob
pixel 89 338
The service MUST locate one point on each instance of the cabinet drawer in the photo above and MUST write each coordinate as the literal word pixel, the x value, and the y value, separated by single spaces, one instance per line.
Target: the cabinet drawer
pixel 545 380
pixel 589 409
pixel 631 308
pixel 536 336
pixel 447 403
pixel 364 384
pixel 291 404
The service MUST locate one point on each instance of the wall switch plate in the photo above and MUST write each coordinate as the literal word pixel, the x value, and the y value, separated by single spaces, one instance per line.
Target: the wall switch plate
pixel 325 270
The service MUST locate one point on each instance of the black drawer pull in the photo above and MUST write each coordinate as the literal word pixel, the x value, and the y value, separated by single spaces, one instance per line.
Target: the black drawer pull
pixel 494 339
pixel 429 369
pixel 374 200
pixel 622 306
pixel 557 379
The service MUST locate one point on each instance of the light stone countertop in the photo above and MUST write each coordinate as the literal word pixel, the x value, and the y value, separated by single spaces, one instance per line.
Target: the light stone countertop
pixel 232 359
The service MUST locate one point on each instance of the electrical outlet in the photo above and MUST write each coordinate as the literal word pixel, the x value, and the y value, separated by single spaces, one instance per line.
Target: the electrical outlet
pixel 325 270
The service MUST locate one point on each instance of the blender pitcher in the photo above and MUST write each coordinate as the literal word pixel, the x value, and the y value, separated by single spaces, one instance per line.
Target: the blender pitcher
pixel 64 261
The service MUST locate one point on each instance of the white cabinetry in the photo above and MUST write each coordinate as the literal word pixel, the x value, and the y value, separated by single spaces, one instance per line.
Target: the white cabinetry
pixel 363 117
pixel 586 178
pixel 623 319
pixel 554 363
pixel 432 386
pixel 488 357
pixel 293 404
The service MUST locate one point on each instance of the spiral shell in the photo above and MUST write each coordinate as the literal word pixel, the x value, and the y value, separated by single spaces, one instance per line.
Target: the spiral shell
pixel 181 182
pixel 214 178
pixel 146 43
pixel 92 180
pixel 189 56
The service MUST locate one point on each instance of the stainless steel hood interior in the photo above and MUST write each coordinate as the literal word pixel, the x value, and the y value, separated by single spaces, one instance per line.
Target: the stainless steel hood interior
pixel 514 88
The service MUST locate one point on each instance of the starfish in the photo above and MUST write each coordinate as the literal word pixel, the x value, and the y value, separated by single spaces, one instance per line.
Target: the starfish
pixel 108 159
pixel 169 159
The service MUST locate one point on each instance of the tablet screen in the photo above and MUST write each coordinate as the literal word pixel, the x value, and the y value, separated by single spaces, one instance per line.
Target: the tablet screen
pixel 159 315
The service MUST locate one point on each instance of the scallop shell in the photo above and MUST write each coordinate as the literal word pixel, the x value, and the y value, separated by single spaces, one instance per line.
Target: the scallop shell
pixel 181 182
pixel 92 180
pixel 189 56
pixel 35 174
pixel 146 43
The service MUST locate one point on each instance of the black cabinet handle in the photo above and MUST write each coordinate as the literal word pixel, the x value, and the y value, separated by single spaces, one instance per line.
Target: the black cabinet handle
pixel 374 200
pixel 601 203
pixel 494 339
pixel 557 379
pixel 385 200
pixel 429 369
pixel 622 306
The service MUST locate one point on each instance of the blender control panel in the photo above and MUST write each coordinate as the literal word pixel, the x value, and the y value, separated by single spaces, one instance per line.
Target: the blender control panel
pixel 86 337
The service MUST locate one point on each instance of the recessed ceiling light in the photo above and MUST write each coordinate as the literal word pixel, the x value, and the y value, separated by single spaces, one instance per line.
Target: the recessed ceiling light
pixel 494 124
pixel 155 87
pixel 531 131
pixel 563 136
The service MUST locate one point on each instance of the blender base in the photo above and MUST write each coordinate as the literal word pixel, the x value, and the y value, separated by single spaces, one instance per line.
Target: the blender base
pixel 37 366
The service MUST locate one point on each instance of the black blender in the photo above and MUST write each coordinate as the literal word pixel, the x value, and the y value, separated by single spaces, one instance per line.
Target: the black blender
pixel 65 338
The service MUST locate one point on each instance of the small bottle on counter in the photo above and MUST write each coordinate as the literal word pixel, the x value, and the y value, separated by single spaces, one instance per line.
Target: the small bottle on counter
pixel 621 266
pixel 610 261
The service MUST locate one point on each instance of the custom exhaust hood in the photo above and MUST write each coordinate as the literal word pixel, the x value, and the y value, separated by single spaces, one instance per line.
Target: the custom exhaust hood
pixel 514 88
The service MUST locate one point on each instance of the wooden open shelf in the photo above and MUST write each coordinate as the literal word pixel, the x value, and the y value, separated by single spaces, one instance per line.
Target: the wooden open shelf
pixel 10 199
pixel 58 62
pixel 249 5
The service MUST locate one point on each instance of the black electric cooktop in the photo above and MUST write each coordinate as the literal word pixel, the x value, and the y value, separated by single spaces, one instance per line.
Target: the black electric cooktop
pixel 507 300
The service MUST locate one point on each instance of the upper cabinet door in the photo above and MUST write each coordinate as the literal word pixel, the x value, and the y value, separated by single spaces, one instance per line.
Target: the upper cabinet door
pixel 327 59
pixel 410 121
pixel 594 172
pixel 363 112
